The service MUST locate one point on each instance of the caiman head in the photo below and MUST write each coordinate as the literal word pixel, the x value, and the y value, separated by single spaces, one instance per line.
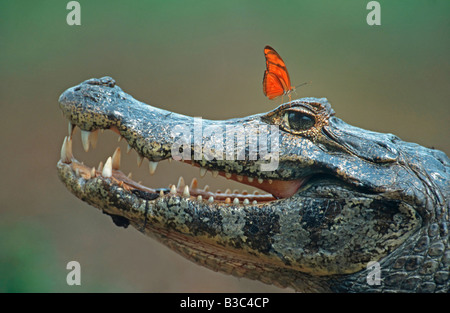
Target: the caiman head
pixel 334 197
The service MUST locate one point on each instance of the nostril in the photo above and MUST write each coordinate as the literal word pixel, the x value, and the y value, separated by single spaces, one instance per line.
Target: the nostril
pixel 77 88
pixel 104 81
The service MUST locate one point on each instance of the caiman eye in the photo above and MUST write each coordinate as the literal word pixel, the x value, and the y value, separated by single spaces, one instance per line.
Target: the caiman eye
pixel 299 121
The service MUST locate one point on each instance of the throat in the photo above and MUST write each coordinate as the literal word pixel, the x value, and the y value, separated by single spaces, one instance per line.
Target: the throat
pixel 277 188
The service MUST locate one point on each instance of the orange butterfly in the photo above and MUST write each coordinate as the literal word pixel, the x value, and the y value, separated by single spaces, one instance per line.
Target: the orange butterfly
pixel 276 81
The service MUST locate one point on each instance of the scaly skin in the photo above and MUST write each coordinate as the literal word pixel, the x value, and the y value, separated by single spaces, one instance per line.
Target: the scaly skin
pixel 343 197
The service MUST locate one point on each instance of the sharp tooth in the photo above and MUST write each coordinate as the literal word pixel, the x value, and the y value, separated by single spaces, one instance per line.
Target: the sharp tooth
pixel 140 159
pixel 119 139
pixel 180 182
pixel 211 199
pixel 260 180
pixel 228 191
pixel 270 181
pixel 100 166
pixel 194 183
pixel 206 188
pixel 161 193
pixel 218 191
pixel 215 173
pixel 66 150
pixel 202 171
pixel 256 192
pixel 116 159
pixel 199 198
pixel 246 201
pixel 93 138
pixel 129 175
pixel 152 167
pixel 128 148
pixel 250 179
pixel 186 192
pixel 235 201
pixel 85 139
pixel 228 175
pixel 173 190
pixel 244 192
pixel 236 191
pixel 69 148
pixel 93 172
pixel 169 160
pixel 70 129
pixel 239 177
pixel 107 169
pixel 227 200
pixel 255 202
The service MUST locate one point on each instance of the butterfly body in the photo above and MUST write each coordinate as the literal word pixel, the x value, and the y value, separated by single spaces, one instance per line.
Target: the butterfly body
pixel 276 81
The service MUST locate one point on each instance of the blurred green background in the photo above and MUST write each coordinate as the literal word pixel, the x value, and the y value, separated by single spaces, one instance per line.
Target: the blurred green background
pixel 201 58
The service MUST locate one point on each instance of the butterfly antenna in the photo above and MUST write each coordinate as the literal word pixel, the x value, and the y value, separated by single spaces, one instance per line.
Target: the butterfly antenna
pixel 295 88
pixel 305 83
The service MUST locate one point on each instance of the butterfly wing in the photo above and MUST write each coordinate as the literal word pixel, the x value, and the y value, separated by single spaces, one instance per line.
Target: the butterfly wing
pixel 276 66
pixel 272 86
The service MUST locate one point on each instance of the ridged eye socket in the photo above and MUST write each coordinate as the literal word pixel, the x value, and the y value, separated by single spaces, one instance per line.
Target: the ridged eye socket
pixel 299 121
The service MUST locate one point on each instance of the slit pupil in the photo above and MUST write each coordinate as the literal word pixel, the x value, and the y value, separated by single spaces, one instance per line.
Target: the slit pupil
pixel 300 121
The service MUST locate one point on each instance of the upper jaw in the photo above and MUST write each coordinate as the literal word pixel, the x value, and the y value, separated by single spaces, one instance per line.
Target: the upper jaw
pixel 100 104
pixel 94 106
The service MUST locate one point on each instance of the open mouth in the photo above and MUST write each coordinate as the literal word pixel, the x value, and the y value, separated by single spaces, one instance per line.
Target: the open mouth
pixel 267 189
